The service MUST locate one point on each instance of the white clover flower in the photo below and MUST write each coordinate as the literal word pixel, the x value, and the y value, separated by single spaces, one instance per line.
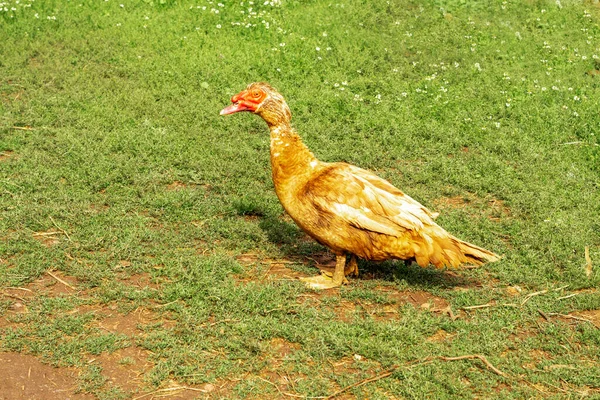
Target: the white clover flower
pixel 543 88
pixel 477 66
pixel 281 44
pixel 317 48
pixel 576 98
pixel 218 26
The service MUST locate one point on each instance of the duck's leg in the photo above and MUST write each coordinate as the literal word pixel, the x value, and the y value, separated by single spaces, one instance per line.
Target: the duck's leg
pixel 327 282
pixel 352 266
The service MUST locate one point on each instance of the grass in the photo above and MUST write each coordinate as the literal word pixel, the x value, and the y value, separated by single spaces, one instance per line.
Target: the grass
pixel 116 165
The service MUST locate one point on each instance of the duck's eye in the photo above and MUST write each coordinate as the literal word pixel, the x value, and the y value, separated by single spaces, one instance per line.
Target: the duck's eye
pixel 256 94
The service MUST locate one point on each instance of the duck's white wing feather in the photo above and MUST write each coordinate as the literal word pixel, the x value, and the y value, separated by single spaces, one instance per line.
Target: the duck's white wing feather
pixel 367 202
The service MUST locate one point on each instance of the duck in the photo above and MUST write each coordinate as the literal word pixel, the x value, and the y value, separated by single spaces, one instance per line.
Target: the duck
pixel 349 210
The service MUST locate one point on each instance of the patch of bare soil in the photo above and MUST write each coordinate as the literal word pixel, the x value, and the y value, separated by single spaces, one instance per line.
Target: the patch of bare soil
pixel 440 336
pixel 48 238
pixel 590 315
pixel 176 185
pixel 125 368
pixel 25 377
pixel 5 155
pixel 52 283
pixel 494 209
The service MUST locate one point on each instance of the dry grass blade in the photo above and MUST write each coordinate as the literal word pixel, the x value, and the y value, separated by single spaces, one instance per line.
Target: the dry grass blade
pixel 363 382
pixel 60 229
pixel 530 295
pixel 568 316
pixel 390 371
pixel 60 280
pixel 478 306
pixel 167 390
pixel 474 356
pixel 588 262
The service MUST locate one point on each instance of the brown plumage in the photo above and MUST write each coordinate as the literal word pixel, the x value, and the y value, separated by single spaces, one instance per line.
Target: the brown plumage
pixel 348 209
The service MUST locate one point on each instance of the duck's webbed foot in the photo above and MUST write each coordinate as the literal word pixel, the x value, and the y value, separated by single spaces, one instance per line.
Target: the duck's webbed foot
pixel 326 280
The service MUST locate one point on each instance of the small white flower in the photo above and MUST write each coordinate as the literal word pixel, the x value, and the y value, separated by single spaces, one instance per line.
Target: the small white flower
pixel 336 84
pixel 497 125
pixel 555 88
pixel 477 66
pixel 575 113
pixel 218 26
pixel 395 70
pixel 576 98
pixel 344 83
pixel 317 48
pixel 325 34
pixel 121 5
pixel 404 94
pixel 543 88
pixel 281 44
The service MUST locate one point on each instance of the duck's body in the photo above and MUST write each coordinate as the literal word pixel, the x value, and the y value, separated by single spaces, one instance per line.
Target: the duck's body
pixel 350 210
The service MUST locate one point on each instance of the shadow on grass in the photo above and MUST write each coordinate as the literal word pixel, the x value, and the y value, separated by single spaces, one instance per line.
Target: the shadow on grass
pixel 297 245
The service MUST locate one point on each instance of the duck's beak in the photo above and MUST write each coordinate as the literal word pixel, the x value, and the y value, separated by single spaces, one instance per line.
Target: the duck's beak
pixel 235 107
pixel 239 104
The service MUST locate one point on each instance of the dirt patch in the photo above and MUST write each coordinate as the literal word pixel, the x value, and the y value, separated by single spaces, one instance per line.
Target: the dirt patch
pixel 52 286
pixel 48 238
pixel 494 209
pixel 418 298
pixel 5 155
pixel 591 315
pixel 440 336
pixel 176 185
pixel 262 268
pixel 125 368
pixel 140 281
pixel 25 377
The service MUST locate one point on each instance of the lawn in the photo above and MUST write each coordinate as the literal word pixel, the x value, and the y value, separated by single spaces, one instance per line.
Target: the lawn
pixel 144 253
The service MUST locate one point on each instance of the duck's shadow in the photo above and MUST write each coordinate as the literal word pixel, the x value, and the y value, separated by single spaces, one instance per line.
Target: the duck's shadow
pixel 298 246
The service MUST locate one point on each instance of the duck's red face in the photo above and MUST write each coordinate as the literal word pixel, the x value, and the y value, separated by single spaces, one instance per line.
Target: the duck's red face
pixel 246 100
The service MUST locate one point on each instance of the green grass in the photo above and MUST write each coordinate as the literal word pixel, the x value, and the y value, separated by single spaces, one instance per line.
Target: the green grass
pixel 106 106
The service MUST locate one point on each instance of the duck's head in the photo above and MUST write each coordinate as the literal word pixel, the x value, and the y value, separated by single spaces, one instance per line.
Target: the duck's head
pixel 260 98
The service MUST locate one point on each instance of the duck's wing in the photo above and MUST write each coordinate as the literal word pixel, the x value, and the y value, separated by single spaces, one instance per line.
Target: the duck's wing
pixel 366 201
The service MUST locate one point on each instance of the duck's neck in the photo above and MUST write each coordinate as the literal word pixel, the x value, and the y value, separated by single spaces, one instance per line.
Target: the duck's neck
pixel 291 160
